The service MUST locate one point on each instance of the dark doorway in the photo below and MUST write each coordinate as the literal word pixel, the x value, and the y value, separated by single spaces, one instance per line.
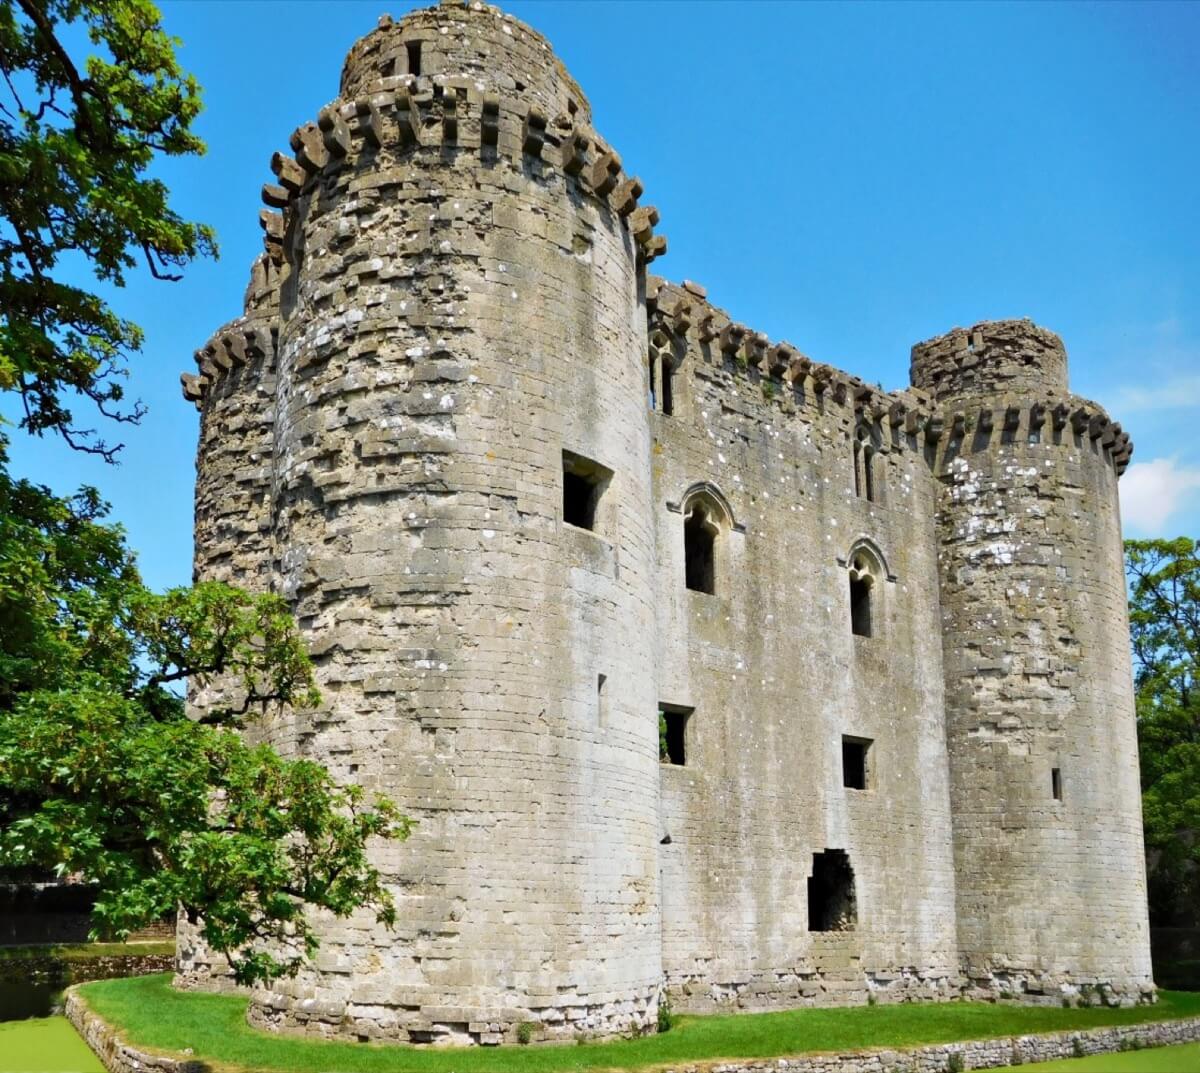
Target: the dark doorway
pixel 831 902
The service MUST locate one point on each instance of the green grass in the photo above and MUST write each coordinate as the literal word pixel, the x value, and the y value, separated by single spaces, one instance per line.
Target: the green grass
pixel 1182 1059
pixel 44 1045
pixel 87 951
pixel 156 1017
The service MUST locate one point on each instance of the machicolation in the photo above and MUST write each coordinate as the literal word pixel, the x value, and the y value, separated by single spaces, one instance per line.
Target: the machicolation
pixel 706 668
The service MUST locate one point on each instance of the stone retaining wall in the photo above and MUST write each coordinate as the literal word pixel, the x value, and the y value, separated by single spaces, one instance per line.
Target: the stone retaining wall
pixel 115 1054
pixel 53 969
pixel 120 1057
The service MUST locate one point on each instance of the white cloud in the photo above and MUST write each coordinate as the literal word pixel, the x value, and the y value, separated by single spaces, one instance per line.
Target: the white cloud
pixel 1177 393
pixel 1152 491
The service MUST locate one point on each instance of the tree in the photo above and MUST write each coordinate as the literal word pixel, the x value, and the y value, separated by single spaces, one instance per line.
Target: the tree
pixel 102 775
pixel 1164 614
pixel 76 141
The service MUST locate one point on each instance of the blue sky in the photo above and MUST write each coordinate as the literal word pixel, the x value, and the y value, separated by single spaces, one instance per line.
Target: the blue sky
pixel 850 177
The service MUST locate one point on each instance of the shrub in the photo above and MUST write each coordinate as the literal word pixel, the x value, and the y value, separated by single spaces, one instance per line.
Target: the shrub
pixel 1077 1048
pixel 954 1064
pixel 666 1016
pixel 524 1032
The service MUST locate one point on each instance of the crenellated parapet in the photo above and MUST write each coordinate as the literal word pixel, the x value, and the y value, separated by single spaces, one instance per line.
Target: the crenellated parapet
pixel 409 118
pixel 685 328
pixel 1001 377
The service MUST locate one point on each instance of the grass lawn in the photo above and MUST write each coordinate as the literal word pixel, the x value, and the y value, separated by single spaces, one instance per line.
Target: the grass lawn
pixel 1182 1059
pixel 44 1045
pixel 156 1017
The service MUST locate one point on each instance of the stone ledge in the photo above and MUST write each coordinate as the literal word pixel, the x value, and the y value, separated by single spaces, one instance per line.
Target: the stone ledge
pixel 114 1053
pixel 117 1056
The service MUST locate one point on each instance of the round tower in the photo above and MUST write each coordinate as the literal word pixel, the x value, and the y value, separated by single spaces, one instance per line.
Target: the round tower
pixel 460 516
pixel 1039 701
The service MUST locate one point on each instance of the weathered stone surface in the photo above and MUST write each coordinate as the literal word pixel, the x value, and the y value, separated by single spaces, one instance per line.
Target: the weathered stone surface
pixel 451 334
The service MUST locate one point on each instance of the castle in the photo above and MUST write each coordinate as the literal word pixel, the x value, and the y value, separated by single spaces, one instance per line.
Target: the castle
pixel 706 668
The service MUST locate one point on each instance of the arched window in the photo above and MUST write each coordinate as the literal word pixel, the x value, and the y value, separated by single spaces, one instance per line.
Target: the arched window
pixel 864 571
pixel 707 519
pixel 864 464
pixel 699 550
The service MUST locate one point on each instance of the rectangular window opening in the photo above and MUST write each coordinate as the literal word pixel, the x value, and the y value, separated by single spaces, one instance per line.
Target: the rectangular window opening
pixel 855 769
pixel 672 734
pixel 869 474
pixel 668 388
pixel 584 482
pixel 601 700
pixel 1056 783
pixel 414 57
pixel 860 607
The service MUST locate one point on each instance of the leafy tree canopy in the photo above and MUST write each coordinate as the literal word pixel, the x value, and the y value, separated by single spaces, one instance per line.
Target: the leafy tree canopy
pixel 103 777
pixel 1164 612
pixel 76 140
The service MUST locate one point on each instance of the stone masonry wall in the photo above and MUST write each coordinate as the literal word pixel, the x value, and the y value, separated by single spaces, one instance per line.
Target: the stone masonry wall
pixel 1043 748
pixel 451 327
pixel 776 678
pixel 455 313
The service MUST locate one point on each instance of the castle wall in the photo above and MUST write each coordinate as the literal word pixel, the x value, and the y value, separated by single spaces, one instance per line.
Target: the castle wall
pixel 457 312
pixel 468 439
pixel 776 678
pixel 1040 717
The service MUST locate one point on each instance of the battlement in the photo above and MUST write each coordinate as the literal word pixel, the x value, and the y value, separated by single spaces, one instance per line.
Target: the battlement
pixel 475 42
pixel 405 118
pixel 1012 365
pixel 990 357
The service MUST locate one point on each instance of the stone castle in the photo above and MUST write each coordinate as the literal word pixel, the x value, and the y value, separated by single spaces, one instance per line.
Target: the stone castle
pixel 707 669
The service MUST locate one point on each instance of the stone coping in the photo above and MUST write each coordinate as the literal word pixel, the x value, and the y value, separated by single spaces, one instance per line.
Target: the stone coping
pixel 118 1056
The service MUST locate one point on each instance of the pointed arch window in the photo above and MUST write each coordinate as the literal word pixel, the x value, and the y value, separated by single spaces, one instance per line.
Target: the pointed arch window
pixel 707 521
pixel 864 573
pixel 865 476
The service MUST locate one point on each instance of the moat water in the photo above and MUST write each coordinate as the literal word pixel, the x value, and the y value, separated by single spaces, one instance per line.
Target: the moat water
pixel 19 999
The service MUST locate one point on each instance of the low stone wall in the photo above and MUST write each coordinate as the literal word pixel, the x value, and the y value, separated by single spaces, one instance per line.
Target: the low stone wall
pixel 120 1057
pixel 116 1055
pixel 56 970
pixel 976 1054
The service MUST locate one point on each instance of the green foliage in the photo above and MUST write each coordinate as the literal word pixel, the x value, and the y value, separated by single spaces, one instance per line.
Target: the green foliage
pixel 525 1033
pixel 1077 1048
pixel 1164 611
pixel 664 754
pixel 666 1016
pixel 76 141
pixel 151 1013
pixel 103 777
pixel 954 1064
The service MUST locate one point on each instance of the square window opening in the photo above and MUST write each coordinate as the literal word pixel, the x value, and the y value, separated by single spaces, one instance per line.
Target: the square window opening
pixel 584 483
pixel 855 764
pixel 860 607
pixel 672 734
